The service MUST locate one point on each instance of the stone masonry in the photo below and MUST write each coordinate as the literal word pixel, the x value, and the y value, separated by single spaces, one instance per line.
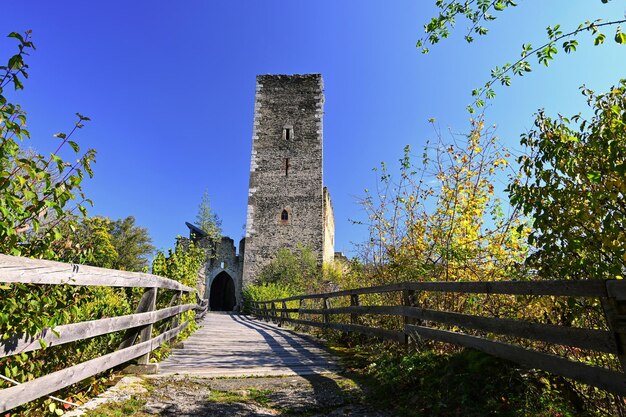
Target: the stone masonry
pixel 287 202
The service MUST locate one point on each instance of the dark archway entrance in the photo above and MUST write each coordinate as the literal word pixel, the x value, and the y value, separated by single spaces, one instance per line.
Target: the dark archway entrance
pixel 222 296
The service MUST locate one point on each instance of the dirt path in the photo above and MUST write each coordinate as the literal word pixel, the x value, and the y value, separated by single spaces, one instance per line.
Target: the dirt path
pixel 169 396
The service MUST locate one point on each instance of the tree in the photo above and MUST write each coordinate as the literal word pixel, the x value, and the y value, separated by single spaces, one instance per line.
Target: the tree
pixel 132 244
pixel 87 241
pixel 37 192
pixel 207 220
pixel 441 219
pixel 298 270
pixel 576 190
pixel 479 12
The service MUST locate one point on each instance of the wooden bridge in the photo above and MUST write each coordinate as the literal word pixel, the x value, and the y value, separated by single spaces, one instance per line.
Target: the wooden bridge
pixel 237 345
pixel 234 345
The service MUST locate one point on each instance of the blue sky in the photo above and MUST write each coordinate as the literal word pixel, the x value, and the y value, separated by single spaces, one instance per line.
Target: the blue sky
pixel 170 90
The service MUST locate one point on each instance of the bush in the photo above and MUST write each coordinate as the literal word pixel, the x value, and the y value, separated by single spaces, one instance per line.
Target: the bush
pixel 265 292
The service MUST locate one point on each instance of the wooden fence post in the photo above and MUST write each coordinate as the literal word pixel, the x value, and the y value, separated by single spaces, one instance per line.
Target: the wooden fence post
pixel 284 315
pixel 354 301
pixel 177 299
pixel 326 306
pixel 149 304
pixel 273 307
pixel 301 316
pixel 615 312
pixel 266 314
pixel 408 300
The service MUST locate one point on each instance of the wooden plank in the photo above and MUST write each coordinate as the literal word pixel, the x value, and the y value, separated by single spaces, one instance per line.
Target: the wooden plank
pixel 85 330
pixel 354 302
pixel 615 313
pixel 15 269
pixel 599 377
pixel 583 288
pixel 287 310
pixel 357 291
pixel 264 371
pixel 409 299
pixel 31 390
pixel 235 345
pixel 369 331
pixel 146 331
pixel 361 310
pixel 597 340
pixel 590 288
pixel 395 335
pixel 144 306
pixel 616 288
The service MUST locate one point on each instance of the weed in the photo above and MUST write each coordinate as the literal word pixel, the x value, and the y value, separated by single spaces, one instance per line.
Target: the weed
pixel 130 407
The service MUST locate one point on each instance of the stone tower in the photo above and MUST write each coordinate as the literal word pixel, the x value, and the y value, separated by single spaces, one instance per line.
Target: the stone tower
pixel 287 201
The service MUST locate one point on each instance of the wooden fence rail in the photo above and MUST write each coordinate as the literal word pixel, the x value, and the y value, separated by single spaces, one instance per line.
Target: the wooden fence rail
pixel 611 293
pixel 137 326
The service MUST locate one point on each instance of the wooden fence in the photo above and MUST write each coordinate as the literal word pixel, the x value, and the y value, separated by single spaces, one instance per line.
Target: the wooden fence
pixel 136 326
pixel 416 321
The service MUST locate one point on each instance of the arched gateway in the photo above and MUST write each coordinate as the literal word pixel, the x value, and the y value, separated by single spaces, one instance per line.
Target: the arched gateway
pixel 222 293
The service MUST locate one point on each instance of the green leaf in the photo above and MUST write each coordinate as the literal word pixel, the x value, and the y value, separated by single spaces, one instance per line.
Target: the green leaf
pixel 599 39
pixel 16 62
pixel 570 46
pixel 17 84
pixel 594 176
pixel 620 37
pixel 16 36
pixel 74 146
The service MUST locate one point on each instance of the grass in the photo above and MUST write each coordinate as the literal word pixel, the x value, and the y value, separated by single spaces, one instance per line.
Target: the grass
pixel 466 384
pixel 130 407
pixel 258 396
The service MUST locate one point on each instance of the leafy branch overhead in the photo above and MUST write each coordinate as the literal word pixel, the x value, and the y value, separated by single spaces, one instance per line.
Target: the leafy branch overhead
pixel 37 192
pixel 479 12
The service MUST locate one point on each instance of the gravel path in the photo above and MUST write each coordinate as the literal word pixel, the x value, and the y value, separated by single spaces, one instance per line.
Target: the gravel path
pixel 309 395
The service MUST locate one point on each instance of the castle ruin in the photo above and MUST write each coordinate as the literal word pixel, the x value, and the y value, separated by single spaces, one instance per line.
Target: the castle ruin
pixel 288 204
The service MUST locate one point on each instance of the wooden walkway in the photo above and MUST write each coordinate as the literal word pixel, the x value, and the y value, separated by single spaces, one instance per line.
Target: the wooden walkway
pixel 233 345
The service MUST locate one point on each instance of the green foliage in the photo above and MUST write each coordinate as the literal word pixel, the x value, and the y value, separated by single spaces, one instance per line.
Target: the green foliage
pixel 265 291
pixel 207 219
pixel 37 192
pixel 440 218
pixel 87 241
pixel 575 190
pixel 181 264
pixel 298 271
pixel 468 383
pixel 130 407
pixel 479 13
pixel 100 241
pixel 132 244
pixel 32 308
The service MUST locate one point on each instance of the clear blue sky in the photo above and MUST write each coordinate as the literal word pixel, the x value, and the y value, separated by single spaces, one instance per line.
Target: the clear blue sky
pixel 170 89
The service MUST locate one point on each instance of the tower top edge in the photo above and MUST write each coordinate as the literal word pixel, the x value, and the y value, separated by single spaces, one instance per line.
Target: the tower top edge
pixel 261 78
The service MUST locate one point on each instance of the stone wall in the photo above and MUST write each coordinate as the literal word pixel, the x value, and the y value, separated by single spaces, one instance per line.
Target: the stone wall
pixel 225 259
pixel 329 229
pixel 285 199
